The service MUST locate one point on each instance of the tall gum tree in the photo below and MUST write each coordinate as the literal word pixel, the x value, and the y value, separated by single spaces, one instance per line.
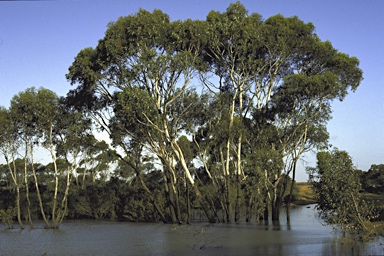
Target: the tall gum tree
pixel 226 54
pixel 302 104
pixel 23 116
pixel 47 112
pixel 136 85
pixel 137 72
pixel 337 184
pixel 39 116
pixel 74 138
pixel 252 59
pixel 9 145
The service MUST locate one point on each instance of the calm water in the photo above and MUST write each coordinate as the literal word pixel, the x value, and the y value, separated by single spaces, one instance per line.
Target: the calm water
pixel 304 236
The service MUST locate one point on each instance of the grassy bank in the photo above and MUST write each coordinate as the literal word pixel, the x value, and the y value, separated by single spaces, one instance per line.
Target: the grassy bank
pixel 304 194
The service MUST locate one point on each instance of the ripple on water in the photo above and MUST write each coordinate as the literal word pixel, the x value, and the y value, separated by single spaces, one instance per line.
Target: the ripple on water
pixel 304 235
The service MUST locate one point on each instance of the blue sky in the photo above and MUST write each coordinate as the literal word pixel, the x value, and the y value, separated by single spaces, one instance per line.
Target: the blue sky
pixel 39 40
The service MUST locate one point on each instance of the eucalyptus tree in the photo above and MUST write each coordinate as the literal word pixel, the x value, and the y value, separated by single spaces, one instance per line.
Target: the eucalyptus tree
pixel 136 84
pixel 73 138
pixel 98 160
pixel 47 111
pixel 138 73
pixel 9 145
pixel 300 123
pixel 134 168
pixel 68 136
pixel 302 102
pixel 248 57
pixel 337 184
pixel 65 133
pixel 39 118
pixel 30 112
pixel 251 60
pixel 373 179
pixel 23 116
pixel 227 52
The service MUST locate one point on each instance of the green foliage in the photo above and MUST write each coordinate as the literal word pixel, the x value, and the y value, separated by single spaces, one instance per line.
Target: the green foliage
pixel 277 70
pixel 337 185
pixel 265 98
pixel 373 179
pixel 6 216
pixel 93 201
pixel 187 148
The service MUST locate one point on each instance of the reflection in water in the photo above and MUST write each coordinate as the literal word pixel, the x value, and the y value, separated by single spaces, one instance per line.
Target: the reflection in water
pixel 303 235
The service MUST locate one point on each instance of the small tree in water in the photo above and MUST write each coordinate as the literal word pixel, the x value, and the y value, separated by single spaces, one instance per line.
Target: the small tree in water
pixel 337 185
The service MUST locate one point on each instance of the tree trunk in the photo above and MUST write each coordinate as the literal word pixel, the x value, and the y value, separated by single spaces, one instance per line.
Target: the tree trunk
pixel 62 211
pixel 291 191
pixel 152 199
pixel 54 207
pixel 249 209
pixel 84 175
pixel 266 211
pixel 238 198
pixel 175 201
pixel 359 217
pixel 202 201
pixel 18 207
pixel 276 210
pixel 238 181
pixel 15 181
pixel 188 204
pixel 238 165
pixel 227 159
pixel 169 197
pixel 158 209
pixel 276 199
pixel 27 187
pixel 228 198
pixel 40 200
pixel 38 192
pixel 276 204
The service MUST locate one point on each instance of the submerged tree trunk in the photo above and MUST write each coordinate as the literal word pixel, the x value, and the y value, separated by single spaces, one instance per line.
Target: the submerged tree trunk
pixel 38 191
pixel 172 201
pixel 29 217
pixel 203 203
pixel 16 183
pixel 39 199
pixel 276 209
pixel 266 211
pixel 249 208
pixel 238 153
pixel 55 218
pixel 291 191
pixel 64 202
pixel 228 198
pixel 18 207
pixel 152 199
pixel 62 210
pixel 188 204
pixel 276 203
pixel 238 198
pixel 238 180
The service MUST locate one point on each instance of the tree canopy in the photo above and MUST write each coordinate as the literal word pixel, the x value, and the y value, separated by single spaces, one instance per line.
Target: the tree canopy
pixel 216 111
pixel 337 185
pixel 146 82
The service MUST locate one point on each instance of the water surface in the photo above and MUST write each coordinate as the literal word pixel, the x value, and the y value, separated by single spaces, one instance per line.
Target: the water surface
pixel 304 235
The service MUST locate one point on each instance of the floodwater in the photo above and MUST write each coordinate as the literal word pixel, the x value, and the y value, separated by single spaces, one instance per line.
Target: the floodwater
pixel 304 235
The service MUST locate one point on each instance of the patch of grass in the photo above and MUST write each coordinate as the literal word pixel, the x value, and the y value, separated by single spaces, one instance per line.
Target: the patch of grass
pixel 305 194
pixel 370 196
